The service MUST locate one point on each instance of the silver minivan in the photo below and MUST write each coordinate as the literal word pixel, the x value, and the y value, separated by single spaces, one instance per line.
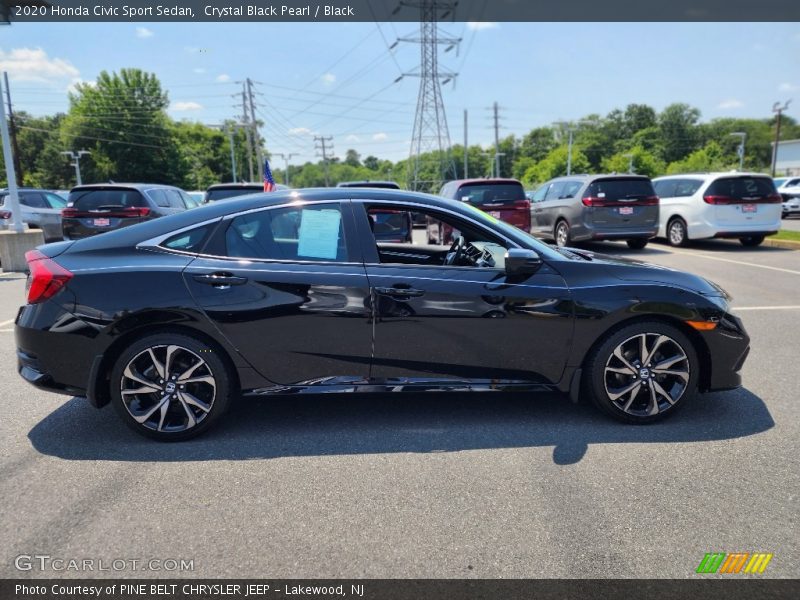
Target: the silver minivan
pixel 596 207
pixel 41 209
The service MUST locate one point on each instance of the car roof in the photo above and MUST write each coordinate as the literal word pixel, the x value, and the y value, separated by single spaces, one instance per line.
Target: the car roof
pixel 479 180
pixel 25 189
pixel 239 185
pixel 596 176
pixel 713 175
pixel 122 186
pixel 367 183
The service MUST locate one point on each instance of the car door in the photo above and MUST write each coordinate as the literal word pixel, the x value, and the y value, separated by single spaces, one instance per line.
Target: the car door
pixel 537 209
pixel 286 286
pixel 461 322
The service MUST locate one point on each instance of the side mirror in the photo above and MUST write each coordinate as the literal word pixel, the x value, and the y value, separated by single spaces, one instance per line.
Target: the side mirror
pixel 520 261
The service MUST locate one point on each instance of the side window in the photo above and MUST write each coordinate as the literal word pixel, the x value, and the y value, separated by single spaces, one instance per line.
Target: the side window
pixel 159 197
pixel 555 191
pixel 570 189
pixel 686 187
pixel 540 192
pixel 314 232
pixel 33 199
pixel 188 200
pixel 665 188
pixel 174 198
pixel 55 201
pixel 188 241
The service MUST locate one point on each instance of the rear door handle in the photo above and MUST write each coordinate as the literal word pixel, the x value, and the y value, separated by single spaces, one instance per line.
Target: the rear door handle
pixel 220 279
pixel 399 292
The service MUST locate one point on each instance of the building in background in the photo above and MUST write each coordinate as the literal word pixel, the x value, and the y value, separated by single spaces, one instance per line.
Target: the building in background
pixel 788 159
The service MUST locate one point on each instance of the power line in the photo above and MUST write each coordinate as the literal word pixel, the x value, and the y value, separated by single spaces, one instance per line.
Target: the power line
pixel 322 140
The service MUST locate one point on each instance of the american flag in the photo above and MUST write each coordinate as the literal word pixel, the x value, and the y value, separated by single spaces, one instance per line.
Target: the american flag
pixel 269 180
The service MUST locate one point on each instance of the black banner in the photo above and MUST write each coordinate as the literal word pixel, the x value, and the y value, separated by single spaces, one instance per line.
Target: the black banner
pixel 730 588
pixel 397 10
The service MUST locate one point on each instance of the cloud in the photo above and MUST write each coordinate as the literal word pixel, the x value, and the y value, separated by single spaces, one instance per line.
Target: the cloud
pixel 199 70
pixel 144 32
pixel 731 103
pixel 73 85
pixel 223 77
pixel 788 87
pixel 185 106
pixel 33 64
pixel 328 79
pixel 481 25
pixel 352 138
pixel 300 131
pixel 380 137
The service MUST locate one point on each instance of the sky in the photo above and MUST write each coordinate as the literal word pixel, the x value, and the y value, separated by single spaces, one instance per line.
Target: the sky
pixel 339 79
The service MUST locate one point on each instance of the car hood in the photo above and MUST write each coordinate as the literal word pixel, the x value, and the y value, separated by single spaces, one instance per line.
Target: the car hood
pixel 638 271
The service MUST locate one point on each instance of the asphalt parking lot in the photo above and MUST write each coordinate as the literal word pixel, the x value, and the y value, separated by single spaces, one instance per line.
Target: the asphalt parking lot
pixel 471 485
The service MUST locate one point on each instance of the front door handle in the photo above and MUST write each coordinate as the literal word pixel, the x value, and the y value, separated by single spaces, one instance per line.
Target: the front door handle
pixel 399 292
pixel 220 279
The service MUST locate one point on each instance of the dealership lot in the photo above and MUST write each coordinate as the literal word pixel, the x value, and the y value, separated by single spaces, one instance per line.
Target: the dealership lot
pixel 426 486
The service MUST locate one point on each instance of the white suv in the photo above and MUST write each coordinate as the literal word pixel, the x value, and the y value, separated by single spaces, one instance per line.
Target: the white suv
pixel 789 189
pixel 718 205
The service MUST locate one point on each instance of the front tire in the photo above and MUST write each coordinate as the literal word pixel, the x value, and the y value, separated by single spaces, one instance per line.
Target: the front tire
pixel 637 244
pixel 751 240
pixel 642 372
pixel 170 387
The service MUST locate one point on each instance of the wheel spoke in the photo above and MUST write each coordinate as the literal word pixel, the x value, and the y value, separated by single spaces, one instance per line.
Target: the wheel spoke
pixel 164 410
pixel 149 413
pixel 194 401
pixel 619 393
pixel 618 354
pixel 671 372
pixel 204 379
pixel 660 390
pixel 653 401
pixel 192 420
pixel 157 364
pixel 190 371
pixel 659 342
pixel 668 362
pixel 634 393
pixel 130 374
pixel 168 363
pixel 147 389
pixel 643 348
pixel 621 371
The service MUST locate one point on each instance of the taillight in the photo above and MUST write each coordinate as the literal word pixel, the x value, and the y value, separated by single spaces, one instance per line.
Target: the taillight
pixel 714 199
pixel 599 202
pixel 47 277
pixel 593 201
pixel 522 204
pixel 133 212
pixel 774 199
pixel 5 214
pixel 69 212
pixel 648 201
pixel 138 211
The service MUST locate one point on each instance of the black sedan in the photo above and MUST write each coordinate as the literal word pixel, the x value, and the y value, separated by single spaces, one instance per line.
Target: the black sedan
pixel 289 292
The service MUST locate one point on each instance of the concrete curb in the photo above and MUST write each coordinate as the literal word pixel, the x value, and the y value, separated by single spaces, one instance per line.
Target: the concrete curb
pixel 786 244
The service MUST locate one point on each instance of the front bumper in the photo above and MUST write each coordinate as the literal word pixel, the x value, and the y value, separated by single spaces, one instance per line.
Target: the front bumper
pixel 728 346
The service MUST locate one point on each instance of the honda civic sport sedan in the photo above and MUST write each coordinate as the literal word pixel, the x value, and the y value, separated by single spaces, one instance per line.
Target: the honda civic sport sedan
pixel 289 292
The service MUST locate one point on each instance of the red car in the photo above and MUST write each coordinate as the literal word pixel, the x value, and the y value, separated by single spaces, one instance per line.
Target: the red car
pixel 503 199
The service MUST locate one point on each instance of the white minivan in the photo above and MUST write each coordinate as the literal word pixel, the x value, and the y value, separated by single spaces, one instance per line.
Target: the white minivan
pixel 718 205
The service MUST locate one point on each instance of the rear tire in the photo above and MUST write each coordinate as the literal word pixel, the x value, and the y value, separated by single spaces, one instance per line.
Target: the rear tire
pixel 751 240
pixel 171 387
pixel 637 244
pixel 561 234
pixel 676 232
pixel 642 385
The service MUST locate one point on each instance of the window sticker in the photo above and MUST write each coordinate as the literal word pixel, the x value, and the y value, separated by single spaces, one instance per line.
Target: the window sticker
pixel 319 234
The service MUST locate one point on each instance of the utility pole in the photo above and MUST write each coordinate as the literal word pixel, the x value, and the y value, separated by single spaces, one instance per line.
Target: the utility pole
pixel 496 109
pixel 777 108
pixel 286 158
pixel 324 154
pixel 12 201
pixel 254 124
pixel 247 130
pixel 231 132
pixel 431 137
pixel 571 130
pixel 75 157
pixel 630 162
pixel 466 148
pixel 12 126
pixel 740 148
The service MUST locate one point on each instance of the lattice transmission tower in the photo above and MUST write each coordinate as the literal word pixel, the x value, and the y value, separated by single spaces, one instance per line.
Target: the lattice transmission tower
pixel 430 162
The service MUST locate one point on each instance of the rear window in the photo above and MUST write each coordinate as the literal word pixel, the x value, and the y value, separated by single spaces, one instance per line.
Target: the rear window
pixel 742 188
pixel 620 189
pixel 490 193
pixel 188 241
pixel 96 199
pixel 221 194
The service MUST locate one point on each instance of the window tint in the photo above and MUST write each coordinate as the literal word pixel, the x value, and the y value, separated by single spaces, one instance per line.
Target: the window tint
pixel 33 199
pixel 159 197
pixel 742 188
pixel 540 193
pixel 554 191
pixel 175 199
pixel 665 188
pixel 570 189
pixel 94 199
pixel 489 193
pixel 793 183
pixel 221 194
pixel 55 201
pixel 620 188
pixel 189 200
pixel 188 241
pixel 313 232
pixel 686 187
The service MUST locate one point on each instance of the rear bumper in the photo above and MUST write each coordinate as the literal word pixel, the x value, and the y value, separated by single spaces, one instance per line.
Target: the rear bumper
pixel 705 229
pixel 738 234
pixel 31 370
pixel 599 233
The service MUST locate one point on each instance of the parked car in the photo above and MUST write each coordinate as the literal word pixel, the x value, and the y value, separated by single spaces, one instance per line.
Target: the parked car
pixel 195 197
pixel 102 207
pixel 384 185
pixel 718 205
pixel 579 208
pixel 503 199
pixel 789 189
pixel 223 191
pixel 169 320
pixel 41 209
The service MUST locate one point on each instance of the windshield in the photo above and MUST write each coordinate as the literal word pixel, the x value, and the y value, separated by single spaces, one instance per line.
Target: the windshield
pixel 523 238
pixel 222 193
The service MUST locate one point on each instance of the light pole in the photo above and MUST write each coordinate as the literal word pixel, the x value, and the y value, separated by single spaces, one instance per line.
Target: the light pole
pixel 740 147
pixel 76 158
pixel 571 129
pixel 777 108
pixel 286 158
pixel 630 162
pixel 12 201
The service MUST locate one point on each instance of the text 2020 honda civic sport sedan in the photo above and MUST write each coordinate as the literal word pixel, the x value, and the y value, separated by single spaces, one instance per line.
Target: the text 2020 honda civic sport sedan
pixel 289 292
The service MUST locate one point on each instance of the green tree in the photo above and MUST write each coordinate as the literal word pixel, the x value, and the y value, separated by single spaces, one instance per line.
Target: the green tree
pixel 555 165
pixel 644 162
pixel 709 158
pixel 679 132
pixel 352 158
